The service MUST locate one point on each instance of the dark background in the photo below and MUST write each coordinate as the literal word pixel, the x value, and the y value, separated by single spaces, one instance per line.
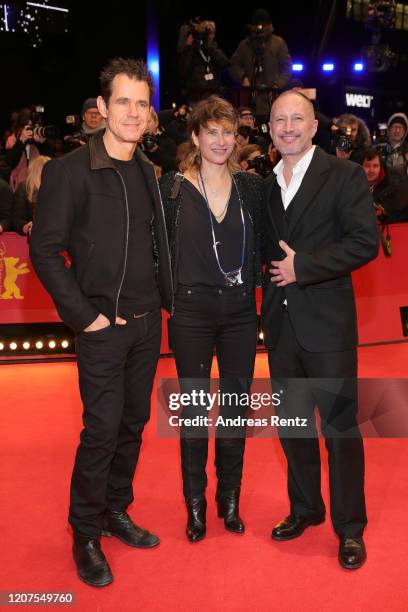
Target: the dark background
pixel 63 70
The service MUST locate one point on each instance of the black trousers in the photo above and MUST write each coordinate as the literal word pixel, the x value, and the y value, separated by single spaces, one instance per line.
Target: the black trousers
pixel 337 404
pixel 204 320
pixel 116 367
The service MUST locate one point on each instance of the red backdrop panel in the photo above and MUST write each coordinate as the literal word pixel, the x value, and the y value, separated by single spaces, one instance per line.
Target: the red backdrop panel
pixel 381 289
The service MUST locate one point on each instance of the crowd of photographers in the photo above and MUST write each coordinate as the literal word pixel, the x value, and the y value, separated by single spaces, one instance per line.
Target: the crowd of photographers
pixel 259 69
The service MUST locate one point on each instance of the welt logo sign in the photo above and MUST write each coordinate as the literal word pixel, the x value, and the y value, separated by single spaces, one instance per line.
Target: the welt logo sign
pixel 359 100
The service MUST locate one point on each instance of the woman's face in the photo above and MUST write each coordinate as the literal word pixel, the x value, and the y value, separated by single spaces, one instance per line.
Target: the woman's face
pixel 216 142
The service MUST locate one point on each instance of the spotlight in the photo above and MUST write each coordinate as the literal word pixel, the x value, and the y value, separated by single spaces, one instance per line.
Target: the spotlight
pixel 65 344
pixel 52 344
pixel 39 344
pixel 261 335
pixel 26 346
pixel 13 346
pixel 1 346
pixel 358 67
pixel 297 67
pixel 328 67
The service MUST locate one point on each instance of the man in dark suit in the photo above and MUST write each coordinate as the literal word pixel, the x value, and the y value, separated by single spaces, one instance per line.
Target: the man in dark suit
pixel 320 226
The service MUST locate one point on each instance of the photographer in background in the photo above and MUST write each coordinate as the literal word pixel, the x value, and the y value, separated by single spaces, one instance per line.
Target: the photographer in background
pixel 6 202
pixel 397 157
pixel 157 146
pixel 252 159
pixel 28 140
pixel 351 138
pixel 389 189
pixel 262 63
pixel 200 60
pixel 25 196
pixel 92 122
pixel 175 123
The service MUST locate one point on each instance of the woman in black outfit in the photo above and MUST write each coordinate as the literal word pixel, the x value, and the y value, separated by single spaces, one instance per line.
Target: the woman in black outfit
pixel 213 218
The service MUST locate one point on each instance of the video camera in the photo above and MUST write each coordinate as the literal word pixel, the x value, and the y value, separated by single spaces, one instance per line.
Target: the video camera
pixel 342 139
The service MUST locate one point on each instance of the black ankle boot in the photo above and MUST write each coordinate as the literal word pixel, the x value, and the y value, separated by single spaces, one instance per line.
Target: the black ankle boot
pixel 196 508
pixel 91 563
pixel 228 509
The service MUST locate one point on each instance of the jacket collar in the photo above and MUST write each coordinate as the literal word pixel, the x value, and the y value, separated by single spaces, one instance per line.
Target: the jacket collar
pixel 99 157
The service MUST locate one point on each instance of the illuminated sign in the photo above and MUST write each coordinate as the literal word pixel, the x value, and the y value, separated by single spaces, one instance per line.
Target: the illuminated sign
pixel 359 100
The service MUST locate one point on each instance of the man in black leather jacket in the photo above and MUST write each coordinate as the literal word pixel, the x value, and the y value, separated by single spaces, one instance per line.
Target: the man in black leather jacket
pixel 101 204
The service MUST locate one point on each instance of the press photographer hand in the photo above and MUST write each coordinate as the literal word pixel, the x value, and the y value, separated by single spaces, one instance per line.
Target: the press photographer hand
pixel 26 133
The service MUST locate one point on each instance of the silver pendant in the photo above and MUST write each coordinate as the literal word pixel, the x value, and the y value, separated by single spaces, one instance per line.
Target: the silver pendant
pixel 234 278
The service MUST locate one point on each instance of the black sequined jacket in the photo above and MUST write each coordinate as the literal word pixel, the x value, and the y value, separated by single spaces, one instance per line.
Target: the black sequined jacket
pixel 252 194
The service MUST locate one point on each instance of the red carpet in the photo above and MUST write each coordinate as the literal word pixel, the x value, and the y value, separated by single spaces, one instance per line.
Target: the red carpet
pixel 40 422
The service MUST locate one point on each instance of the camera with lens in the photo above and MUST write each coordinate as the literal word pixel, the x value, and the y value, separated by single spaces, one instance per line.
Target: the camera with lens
pixel 74 137
pixel 150 142
pixel 200 31
pixel 261 164
pixel 36 124
pixel 342 139
pixel 257 35
pixel 380 141
pixel 258 135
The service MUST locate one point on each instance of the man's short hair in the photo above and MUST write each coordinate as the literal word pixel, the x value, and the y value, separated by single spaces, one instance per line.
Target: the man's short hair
pixel 133 68
pixel 370 154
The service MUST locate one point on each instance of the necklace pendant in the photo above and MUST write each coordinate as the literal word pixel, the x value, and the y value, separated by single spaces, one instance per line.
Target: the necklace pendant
pixel 234 278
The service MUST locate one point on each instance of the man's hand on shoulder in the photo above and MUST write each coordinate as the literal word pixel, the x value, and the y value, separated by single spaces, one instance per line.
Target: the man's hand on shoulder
pixel 283 272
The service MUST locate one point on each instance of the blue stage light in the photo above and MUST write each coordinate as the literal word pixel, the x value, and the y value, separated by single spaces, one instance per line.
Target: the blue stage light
pixel 358 67
pixel 297 67
pixel 328 67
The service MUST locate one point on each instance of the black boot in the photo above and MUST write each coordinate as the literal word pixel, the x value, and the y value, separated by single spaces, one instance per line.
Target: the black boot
pixel 196 508
pixel 91 563
pixel 120 524
pixel 228 509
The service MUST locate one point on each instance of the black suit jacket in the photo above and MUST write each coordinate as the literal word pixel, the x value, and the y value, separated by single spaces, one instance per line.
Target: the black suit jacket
pixel 333 230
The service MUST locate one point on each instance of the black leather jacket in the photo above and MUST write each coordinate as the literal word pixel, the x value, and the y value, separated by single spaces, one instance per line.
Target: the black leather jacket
pixel 82 209
pixel 251 191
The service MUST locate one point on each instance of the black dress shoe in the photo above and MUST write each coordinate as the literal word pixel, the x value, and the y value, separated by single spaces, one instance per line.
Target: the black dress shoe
pixel 120 525
pixel 293 526
pixel 228 509
pixel 91 563
pixel 352 553
pixel 196 528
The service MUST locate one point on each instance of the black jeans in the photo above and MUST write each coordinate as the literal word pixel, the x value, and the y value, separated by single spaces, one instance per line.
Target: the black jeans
pixel 116 367
pixel 337 404
pixel 204 320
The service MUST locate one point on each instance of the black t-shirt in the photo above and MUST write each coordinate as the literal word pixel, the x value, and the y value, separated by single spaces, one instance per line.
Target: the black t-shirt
pixel 197 262
pixel 139 292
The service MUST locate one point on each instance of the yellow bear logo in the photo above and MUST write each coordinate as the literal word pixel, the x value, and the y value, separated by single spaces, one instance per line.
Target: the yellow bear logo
pixel 12 272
